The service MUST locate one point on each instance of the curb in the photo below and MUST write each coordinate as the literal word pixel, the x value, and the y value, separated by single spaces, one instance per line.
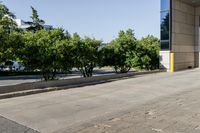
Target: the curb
pixel 42 87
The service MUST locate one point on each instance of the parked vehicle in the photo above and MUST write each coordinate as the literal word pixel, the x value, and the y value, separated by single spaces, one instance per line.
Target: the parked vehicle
pixel 13 66
pixel 1 67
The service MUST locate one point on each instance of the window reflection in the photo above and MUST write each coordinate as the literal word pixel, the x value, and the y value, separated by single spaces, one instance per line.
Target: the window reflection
pixel 164 44
pixel 165 5
pixel 165 24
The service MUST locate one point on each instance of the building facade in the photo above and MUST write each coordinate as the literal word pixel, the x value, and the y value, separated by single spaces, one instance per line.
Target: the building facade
pixel 180 34
pixel 26 24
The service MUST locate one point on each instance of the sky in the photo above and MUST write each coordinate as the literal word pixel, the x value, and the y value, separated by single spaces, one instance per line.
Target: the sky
pixel 102 19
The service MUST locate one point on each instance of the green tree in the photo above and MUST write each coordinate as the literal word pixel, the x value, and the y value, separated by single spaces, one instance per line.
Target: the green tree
pixel 37 23
pixel 147 55
pixel 85 54
pixel 10 44
pixel 6 19
pixel 3 44
pixel 65 48
pixel 9 39
pixel 119 51
pixel 41 51
pixel 5 11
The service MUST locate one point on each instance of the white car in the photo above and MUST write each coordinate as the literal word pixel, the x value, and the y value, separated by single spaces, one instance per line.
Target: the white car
pixel 13 65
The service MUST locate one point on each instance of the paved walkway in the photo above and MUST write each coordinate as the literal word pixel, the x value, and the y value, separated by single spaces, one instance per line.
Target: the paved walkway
pixel 112 107
pixel 8 126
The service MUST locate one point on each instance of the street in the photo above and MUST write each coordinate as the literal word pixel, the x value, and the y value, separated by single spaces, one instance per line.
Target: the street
pixel 163 102
pixel 14 80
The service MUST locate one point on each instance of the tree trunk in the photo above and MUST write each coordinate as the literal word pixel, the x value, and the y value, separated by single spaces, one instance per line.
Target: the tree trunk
pixel 87 71
pixel 53 74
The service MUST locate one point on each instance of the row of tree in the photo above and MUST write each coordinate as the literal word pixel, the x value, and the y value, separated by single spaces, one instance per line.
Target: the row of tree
pixel 55 50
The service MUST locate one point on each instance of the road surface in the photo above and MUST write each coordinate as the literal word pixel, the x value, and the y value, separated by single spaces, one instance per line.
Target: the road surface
pixel 164 102
pixel 14 80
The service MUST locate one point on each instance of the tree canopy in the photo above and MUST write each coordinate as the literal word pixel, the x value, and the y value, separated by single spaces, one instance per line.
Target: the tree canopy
pixel 41 51
pixel 118 51
pixel 85 54
pixel 56 50
pixel 147 55
pixel 37 23
pixel 9 39
pixel 6 19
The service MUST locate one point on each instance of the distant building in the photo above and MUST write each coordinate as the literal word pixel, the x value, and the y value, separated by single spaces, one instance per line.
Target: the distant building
pixel 26 24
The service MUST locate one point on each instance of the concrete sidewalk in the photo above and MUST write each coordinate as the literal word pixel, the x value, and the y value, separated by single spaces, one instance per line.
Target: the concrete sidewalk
pixel 8 126
pixel 70 110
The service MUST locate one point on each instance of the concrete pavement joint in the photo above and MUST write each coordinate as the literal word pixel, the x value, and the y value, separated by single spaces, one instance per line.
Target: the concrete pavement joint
pixel 9 126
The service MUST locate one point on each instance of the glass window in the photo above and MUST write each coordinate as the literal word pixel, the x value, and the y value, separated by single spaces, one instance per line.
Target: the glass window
pixel 165 24
pixel 164 45
pixel 165 5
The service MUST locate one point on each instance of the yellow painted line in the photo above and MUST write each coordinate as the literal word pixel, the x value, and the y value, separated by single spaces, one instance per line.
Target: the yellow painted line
pixel 172 62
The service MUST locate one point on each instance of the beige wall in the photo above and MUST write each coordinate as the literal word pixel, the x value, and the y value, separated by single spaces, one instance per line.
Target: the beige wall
pixel 197 36
pixel 183 35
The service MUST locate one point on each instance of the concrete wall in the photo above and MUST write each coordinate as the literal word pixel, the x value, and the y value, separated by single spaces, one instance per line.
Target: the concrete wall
pixel 197 36
pixel 165 60
pixel 183 34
